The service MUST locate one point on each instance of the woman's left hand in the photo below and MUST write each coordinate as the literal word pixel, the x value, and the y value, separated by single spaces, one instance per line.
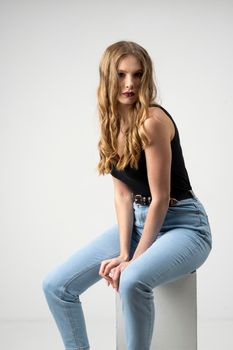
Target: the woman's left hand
pixel 115 274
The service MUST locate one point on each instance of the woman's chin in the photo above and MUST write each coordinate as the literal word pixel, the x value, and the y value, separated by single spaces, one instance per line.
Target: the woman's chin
pixel 126 102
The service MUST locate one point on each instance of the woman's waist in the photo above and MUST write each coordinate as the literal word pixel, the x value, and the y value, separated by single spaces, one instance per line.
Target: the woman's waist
pixel 145 199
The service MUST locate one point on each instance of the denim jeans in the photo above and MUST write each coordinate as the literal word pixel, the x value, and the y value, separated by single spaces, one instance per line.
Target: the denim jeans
pixel 181 247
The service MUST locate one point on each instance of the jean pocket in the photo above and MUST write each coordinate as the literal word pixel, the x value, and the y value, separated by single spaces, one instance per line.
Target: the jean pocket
pixel 205 229
pixel 202 212
pixel 184 206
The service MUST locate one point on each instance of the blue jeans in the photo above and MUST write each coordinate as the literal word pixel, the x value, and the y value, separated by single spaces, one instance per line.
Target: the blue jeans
pixel 182 245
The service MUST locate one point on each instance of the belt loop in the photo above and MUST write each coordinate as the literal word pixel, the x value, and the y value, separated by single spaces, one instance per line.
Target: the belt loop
pixel 172 202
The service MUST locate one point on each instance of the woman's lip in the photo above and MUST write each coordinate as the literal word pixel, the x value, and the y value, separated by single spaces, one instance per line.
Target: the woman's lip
pixel 128 94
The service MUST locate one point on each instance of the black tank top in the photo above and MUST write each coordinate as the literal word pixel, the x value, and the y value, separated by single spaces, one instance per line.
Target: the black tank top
pixel 137 181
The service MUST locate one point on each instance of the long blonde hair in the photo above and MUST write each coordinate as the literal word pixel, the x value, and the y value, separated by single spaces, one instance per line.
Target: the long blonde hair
pixel 109 120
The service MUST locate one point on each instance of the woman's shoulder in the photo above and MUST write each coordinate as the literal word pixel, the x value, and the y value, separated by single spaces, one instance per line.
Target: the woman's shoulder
pixel 159 113
pixel 158 119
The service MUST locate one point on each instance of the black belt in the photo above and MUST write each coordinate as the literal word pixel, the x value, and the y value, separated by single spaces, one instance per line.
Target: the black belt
pixel 145 200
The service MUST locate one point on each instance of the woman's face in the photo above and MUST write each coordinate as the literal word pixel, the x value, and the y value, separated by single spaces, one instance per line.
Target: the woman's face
pixel 129 74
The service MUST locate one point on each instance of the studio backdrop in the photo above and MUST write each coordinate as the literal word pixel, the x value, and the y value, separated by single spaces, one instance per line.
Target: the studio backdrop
pixel 49 186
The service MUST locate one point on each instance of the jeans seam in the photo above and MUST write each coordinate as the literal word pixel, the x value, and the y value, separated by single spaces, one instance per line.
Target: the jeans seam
pixel 72 329
pixel 151 300
pixel 151 321
pixel 67 311
pixel 203 212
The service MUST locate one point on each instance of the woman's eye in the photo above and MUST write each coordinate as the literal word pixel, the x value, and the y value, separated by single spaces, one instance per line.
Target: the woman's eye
pixel 139 74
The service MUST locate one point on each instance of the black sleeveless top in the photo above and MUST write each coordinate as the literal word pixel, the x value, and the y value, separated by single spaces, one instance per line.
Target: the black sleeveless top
pixel 137 181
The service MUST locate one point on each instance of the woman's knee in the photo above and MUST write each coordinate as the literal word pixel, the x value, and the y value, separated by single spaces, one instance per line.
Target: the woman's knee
pixel 131 283
pixel 51 283
pixel 47 284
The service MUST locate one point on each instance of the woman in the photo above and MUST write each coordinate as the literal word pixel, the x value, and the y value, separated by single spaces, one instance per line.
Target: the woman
pixel 162 231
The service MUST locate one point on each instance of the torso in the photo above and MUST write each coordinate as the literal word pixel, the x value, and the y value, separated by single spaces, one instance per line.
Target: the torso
pixel 161 115
pixel 137 179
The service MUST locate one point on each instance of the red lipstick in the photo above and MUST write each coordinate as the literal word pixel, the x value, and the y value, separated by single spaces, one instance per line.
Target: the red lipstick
pixel 128 93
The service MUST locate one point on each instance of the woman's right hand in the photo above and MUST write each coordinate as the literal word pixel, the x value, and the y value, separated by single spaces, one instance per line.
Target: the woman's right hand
pixel 107 267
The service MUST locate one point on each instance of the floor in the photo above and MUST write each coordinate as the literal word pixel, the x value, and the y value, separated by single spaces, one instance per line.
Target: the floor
pixel 42 335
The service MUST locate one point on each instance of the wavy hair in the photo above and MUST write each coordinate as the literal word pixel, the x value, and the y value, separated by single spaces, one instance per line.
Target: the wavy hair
pixel 109 120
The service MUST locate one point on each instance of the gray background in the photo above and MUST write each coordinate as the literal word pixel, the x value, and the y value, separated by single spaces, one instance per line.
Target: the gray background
pixel 49 187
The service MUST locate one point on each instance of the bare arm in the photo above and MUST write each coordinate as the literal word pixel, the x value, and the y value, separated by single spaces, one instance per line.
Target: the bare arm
pixel 124 213
pixel 158 161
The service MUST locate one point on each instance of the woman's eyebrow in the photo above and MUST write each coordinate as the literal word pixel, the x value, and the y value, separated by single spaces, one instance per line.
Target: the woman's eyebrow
pixel 121 70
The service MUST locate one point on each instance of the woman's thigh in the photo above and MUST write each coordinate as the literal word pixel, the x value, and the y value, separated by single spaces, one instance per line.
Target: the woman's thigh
pixel 182 245
pixel 81 269
pixel 174 254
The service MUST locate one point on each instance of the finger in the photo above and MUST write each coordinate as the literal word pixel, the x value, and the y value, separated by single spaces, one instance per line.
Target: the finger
pixel 107 282
pixel 102 268
pixel 108 270
pixel 108 279
pixel 116 277
pixel 122 267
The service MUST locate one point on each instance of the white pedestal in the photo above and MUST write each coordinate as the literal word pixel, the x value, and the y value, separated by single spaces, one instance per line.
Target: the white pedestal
pixel 175 326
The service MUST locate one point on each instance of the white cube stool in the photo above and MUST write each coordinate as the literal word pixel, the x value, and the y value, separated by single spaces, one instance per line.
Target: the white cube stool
pixel 175 326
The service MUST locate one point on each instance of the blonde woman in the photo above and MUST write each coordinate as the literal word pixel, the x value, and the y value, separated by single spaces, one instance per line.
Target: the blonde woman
pixel 162 231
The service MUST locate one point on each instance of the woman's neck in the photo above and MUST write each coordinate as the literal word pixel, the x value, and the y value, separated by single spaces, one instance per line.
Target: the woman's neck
pixel 123 112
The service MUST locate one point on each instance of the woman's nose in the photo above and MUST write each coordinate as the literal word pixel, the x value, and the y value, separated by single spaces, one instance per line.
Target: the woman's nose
pixel 129 86
pixel 129 82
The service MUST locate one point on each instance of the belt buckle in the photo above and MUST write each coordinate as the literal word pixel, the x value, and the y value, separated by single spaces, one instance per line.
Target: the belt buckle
pixel 137 198
pixel 140 199
pixel 172 202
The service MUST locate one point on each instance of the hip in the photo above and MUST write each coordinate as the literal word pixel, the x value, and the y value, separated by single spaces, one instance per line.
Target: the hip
pixel 187 213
